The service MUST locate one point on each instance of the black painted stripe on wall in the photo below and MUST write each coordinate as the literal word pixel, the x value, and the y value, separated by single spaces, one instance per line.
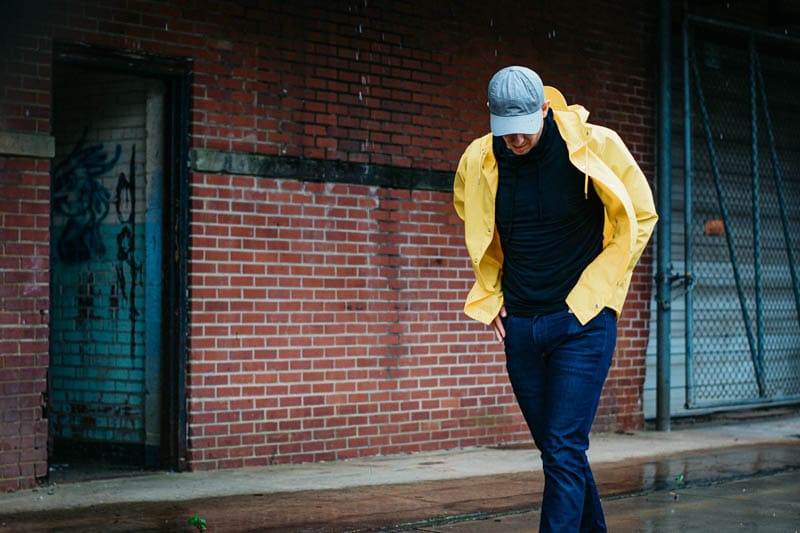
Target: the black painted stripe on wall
pixel 320 170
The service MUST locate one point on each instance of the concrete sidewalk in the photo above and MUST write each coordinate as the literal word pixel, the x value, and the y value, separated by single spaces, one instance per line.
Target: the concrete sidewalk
pixel 465 463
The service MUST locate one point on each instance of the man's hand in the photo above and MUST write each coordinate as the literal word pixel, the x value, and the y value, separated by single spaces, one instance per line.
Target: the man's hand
pixel 497 325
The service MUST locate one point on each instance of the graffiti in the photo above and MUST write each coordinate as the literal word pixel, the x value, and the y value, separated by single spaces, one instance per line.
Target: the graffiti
pixel 82 199
pixel 127 265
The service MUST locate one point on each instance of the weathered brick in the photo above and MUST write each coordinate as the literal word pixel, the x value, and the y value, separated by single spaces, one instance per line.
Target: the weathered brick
pixel 344 299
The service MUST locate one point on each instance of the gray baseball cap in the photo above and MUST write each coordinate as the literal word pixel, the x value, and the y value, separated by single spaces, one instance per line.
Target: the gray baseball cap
pixel 516 96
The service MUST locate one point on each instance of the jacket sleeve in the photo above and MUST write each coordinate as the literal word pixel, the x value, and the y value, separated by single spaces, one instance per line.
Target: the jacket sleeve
pixel 458 187
pixel 639 192
pixel 630 219
pixel 485 298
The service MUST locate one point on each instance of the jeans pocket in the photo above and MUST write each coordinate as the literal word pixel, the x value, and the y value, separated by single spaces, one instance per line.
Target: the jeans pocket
pixel 604 328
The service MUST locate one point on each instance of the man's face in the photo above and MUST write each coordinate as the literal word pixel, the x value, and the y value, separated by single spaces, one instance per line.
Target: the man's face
pixel 521 143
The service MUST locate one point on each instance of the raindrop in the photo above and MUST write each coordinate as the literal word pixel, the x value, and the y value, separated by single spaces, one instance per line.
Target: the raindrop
pixel 491 22
pixel 495 52
pixel 363 80
pixel 357 54
pixel 360 29
pixel 360 97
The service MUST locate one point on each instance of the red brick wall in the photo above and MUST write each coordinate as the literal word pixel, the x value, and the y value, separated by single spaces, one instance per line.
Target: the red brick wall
pixel 326 318
pixel 24 263
pixel 25 71
pixel 326 325
pixel 621 406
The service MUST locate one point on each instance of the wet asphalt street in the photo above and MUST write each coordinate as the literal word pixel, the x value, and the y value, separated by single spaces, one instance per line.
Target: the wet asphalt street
pixel 768 503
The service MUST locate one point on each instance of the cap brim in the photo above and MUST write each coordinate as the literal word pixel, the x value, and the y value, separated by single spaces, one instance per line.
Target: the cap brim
pixel 524 124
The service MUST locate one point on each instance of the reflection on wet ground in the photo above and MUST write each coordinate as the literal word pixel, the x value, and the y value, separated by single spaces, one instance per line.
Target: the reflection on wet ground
pixel 757 503
pixel 704 487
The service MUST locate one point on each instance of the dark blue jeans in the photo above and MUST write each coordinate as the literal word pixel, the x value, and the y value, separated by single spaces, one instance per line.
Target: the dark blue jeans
pixel 557 369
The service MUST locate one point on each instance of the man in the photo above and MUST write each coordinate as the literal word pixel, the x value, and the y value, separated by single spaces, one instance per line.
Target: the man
pixel 556 214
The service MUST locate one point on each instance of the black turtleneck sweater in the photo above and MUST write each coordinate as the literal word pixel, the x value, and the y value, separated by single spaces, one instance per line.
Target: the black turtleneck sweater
pixel 549 230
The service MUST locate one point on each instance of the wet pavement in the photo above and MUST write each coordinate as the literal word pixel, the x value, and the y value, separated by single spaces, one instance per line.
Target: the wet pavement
pixel 764 503
pixel 737 476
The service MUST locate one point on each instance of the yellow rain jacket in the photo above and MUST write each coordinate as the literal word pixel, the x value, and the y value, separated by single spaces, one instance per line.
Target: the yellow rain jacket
pixel 630 215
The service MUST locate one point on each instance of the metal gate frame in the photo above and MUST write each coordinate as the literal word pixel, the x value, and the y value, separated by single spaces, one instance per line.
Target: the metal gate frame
pixel 754 336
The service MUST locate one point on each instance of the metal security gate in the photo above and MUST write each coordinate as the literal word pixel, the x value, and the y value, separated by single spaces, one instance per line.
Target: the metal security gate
pixel 741 216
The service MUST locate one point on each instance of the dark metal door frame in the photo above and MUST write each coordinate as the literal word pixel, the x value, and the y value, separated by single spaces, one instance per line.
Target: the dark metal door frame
pixel 176 75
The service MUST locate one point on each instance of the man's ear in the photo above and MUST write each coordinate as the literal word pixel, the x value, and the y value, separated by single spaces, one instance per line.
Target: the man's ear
pixel 545 107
